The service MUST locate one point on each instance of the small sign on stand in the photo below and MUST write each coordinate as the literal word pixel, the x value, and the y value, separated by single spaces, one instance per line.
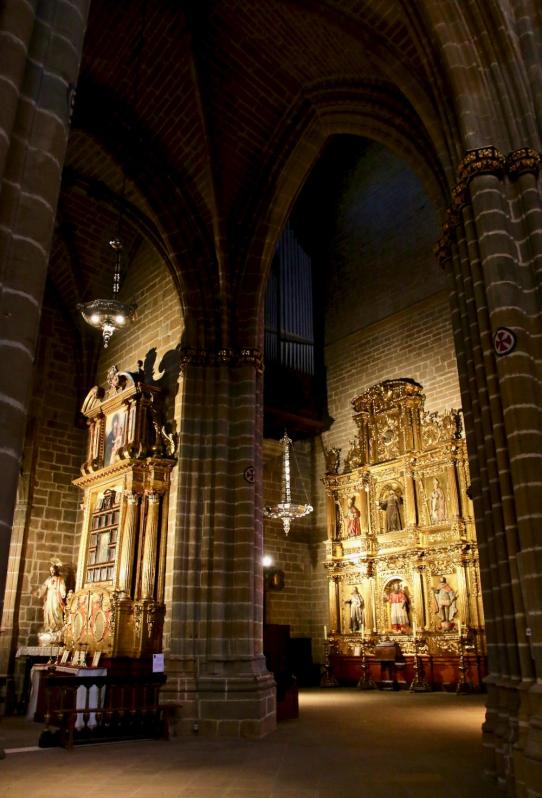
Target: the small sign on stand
pixel 158 662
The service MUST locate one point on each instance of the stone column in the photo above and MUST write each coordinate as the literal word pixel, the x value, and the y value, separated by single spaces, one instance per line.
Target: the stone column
pixel 496 259
pixel 41 43
pixel 217 591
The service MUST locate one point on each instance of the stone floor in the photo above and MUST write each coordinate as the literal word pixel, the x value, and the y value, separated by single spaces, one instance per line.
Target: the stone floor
pixel 346 744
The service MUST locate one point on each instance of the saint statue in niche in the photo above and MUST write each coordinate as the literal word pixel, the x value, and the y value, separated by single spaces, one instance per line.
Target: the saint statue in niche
pixel 445 602
pixel 357 614
pixel 391 505
pixel 353 527
pixel 398 600
pixel 437 503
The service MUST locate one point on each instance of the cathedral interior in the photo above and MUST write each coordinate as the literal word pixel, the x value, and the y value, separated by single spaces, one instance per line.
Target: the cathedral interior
pixel 270 386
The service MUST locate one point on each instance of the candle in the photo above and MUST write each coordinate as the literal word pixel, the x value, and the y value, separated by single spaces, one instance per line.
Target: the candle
pixel 325 632
pixel 414 628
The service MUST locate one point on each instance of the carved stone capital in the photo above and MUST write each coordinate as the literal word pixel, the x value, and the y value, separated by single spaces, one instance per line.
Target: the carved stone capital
pixel 223 357
pixel 481 161
pixel 189 356
pixel 522 160
pixel 252 357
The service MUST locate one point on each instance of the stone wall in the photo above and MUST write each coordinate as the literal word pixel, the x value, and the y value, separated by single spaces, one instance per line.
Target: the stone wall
pixel 382 229
pixel 416 343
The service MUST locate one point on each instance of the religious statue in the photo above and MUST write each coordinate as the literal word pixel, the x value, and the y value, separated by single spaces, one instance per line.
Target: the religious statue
pixel 445 602
pixel 392 507
pixel 398 600
pixel 333 459
pixel 53 593
pixel 357 615
pixel 437 504
pixel 353 528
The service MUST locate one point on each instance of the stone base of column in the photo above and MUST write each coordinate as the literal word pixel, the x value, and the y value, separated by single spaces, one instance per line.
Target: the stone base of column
pixel 236 702
pixel 241 705
pixel 500 731
pixel 528 763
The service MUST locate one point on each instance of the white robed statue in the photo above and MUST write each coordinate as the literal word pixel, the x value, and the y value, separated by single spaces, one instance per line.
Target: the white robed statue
pixel 53 593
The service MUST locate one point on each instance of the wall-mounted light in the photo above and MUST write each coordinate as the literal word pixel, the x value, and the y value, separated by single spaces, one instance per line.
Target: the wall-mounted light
pixel 273 578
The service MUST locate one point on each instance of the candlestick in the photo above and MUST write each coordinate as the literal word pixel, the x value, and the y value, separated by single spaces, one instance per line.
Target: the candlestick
pixel 419 683
pixel 327 678
pixel 365 681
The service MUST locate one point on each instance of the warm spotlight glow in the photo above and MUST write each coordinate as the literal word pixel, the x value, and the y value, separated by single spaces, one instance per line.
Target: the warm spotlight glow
pixel 267 561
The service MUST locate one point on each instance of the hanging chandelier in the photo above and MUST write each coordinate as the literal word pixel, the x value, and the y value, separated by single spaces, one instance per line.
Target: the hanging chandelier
pixel 109 315
pixel 286 510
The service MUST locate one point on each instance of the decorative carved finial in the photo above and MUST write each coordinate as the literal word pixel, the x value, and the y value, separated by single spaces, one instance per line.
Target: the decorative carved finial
pixel 333 460
pixel 113 377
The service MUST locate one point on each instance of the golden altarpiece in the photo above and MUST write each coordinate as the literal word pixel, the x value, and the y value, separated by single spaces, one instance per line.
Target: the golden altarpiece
pixel 401 554
pixel 117 606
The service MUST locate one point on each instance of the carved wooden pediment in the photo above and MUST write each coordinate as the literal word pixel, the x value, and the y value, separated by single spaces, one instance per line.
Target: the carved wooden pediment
pixel 124 421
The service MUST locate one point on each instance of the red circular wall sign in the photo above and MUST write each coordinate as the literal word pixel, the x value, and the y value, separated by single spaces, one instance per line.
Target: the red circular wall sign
pixel 504 341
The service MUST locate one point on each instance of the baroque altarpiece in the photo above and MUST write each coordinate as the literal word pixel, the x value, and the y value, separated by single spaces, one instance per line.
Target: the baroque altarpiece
pixel 117 607
pixel 402 557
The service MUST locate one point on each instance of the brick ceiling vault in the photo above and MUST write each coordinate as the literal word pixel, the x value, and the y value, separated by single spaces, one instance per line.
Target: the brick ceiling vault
pixel 236 101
